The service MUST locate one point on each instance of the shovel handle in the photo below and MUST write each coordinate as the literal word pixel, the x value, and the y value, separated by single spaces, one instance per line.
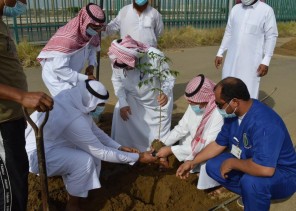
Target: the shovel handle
pixel 41 157
pixel 34 126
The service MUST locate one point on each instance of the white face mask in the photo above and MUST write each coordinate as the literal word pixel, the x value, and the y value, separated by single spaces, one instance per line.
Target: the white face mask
pixel 247 2
pixel 90 31
pixel 17 10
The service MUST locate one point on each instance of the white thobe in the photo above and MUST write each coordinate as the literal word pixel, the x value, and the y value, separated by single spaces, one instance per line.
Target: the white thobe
pixel 249 39
pixel 76 153
pixel 145 28
pixel 61 71
pixel 143 124
pixel 185 131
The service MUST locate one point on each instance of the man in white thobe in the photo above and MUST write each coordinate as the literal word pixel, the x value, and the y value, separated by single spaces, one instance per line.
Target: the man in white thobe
pixel 74 145
pixel 249 40
pixel 136 119
pixel 139 20
pixel 198 127
pixel 70 48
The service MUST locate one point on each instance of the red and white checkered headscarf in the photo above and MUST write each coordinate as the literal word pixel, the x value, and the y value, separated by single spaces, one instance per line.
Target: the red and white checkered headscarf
pixel 72 36
pixel 126 51
pixel 201 90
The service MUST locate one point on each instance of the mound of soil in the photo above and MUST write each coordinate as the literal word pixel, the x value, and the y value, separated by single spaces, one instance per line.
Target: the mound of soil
pixel 287 49
pixel 130 188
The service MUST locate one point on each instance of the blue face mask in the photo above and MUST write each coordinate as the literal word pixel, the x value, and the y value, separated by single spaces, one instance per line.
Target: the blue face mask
pixel 224 114
pixel 141 2
pixel 17 10
pixel 97 113
pixel 90 31
pixel 197 110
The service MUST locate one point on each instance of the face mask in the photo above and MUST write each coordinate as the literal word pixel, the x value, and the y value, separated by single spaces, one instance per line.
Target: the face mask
pixel 224 114
pixel 17 10
pixel 247 2
pixel 141 2
pixel 197 109
pixel 97 113
pixel 90 31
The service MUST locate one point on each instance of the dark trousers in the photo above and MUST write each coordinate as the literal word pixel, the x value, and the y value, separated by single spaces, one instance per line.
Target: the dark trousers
pixel 256 192
pixel 14 166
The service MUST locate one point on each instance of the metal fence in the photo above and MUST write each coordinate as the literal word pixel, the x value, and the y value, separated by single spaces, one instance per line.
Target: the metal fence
pixel 44 17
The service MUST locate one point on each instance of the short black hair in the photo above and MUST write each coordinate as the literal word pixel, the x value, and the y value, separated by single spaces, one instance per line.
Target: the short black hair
pixel 232 87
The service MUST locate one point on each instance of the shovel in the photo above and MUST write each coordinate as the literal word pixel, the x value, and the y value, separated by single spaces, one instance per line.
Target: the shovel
pixel 41 157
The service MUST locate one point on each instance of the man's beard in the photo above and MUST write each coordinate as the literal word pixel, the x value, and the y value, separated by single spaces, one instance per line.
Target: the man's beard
pixel 140 8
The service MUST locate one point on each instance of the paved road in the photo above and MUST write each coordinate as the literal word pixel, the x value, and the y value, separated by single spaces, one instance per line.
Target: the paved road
pixel 193 61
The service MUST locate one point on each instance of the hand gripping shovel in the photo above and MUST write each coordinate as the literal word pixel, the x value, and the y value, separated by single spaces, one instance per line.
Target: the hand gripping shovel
pixel 41 158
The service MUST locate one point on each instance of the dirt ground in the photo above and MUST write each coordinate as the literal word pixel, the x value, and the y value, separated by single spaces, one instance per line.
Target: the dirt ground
pixel 140 187
pixel 143 187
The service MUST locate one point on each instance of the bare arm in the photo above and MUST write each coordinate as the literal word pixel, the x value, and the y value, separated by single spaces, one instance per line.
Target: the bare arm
pixel 35 100
pixel 211 150
pixel 246 166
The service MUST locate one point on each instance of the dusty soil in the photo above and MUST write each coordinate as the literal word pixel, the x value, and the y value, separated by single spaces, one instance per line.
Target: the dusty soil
pixel 139 187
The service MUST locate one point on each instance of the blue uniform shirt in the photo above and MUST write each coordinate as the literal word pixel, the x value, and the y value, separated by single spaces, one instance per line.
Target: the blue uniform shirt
pixel 262 136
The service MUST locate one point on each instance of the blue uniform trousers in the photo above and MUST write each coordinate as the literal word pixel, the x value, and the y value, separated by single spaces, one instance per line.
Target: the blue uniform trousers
pixel 255 191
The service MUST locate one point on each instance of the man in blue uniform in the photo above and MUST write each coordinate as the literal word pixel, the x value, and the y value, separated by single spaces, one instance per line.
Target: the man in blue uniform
pixel 260 163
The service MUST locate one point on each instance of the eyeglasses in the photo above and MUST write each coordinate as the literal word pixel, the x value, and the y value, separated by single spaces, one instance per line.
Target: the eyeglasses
pixel 220 105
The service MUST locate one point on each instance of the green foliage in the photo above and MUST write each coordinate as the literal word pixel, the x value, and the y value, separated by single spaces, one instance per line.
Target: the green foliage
pixel 159 72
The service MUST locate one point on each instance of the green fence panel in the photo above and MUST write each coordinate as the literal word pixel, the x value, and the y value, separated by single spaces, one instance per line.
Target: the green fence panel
pixel 44 17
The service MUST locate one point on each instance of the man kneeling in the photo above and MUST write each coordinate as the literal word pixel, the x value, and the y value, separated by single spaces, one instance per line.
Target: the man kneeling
pixel 261 162
pixel 74 145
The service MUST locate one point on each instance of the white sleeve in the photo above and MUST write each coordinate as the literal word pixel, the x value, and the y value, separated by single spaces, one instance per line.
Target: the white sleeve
pixel 63 71
pixel 179 131
pixel 82 135
pixel 92 58
pixel 119 89
pixel 227 36
pixel 114 25
pixel 169 82
pixel 271 34
pixel 103 137
pixel 181 151
pixel 158 30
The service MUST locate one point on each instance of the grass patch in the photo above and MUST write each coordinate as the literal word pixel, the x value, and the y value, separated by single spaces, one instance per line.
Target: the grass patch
pixel 287 29
pixel 186 37
pixel 28 54
pixel 105 44
pixel 190 37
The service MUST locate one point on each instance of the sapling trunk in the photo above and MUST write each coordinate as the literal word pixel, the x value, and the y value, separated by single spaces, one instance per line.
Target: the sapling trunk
pixel 155 69
pixel 160 93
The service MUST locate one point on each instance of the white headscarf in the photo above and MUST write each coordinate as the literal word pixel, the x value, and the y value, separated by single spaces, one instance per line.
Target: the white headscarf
pixel 71 104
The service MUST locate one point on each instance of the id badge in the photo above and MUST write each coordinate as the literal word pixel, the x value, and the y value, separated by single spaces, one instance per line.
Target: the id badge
pixel 236 151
